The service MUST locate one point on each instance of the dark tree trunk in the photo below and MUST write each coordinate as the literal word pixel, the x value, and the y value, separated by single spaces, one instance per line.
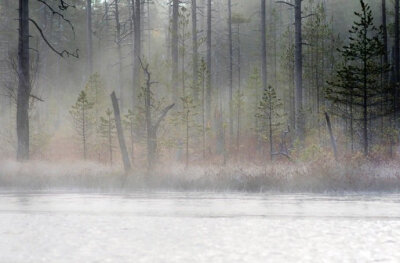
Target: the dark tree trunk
pixel 195 55
pixel 396 42
pixel 385 37
pixel 175 47
pixel 208 94
pixel 299 72
pixel 24 88
pixel 89 38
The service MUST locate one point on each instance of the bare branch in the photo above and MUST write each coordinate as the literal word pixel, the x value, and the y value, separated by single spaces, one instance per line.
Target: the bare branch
pixel 60 53
pixel 283 2
pixel 58 14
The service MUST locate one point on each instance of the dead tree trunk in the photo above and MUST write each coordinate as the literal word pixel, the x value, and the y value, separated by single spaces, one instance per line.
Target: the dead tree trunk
pixel 333 142
pixel 150 127
pixel 24 87
pixel 120 132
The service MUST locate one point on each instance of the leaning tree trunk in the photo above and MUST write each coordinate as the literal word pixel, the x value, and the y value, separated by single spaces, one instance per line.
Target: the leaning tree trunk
pixel 89 37
pixel 120 133
pixel 195 55
pixel 119 51
pixel 24 88
pixel 175 47
pixel 208 94
pixel 299 72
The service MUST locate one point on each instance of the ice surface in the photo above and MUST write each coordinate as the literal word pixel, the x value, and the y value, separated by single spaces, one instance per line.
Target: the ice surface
pixel 198 227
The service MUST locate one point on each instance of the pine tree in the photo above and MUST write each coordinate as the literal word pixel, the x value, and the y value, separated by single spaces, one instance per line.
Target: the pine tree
pixel 187 117
pixel 270 116
pixel 107 132
pixel 82 117
pixel 357 82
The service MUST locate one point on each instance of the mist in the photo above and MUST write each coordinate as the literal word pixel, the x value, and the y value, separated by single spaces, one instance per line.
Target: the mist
pixel 199 130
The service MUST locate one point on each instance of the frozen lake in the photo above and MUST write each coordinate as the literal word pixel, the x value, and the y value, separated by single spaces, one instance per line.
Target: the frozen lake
pixel 198 227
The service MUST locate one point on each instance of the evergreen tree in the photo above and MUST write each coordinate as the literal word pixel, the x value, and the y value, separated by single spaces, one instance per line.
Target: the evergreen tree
pixel 357 82
pixel 81 113
pixel 270 116
pixel 107 132
pixel 187 117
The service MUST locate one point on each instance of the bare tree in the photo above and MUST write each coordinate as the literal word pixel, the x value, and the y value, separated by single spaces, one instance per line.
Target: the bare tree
pixel 151 127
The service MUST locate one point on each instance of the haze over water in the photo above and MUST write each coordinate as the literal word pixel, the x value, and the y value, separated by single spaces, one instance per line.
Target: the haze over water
pixel 198 227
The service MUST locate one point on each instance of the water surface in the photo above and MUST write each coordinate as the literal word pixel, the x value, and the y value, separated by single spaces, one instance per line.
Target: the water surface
pixel 198 227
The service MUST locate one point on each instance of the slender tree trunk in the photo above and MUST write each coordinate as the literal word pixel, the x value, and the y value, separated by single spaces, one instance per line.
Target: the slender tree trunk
pixel 110 140
pixel 133 61
pixel 195 55
pixel 24 87
pixel 208 94
pixel 385 36
pixel 89 38
pixel 175 48
pixel 264 45
pixel 230 71
pixel 299 71
pixel 149 126
pixel 203 112
pixel 137 46
pixel 187 139
pixel 119 51
pixel 239 92
pixel 183 61
pixel 138 41
pixel 365 101
pixel 271 143
pixel 84 137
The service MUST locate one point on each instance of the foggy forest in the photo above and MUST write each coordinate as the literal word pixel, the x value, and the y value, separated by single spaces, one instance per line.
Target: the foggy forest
pixel 175 131
pixel 224 93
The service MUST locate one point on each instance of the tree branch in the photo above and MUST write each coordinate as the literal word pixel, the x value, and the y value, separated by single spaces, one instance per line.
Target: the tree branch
pixel 162 116
pixel 60 53
pixel 283 2
pixel 58 14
